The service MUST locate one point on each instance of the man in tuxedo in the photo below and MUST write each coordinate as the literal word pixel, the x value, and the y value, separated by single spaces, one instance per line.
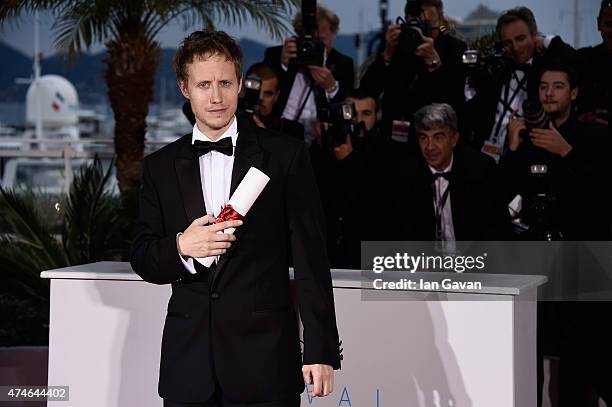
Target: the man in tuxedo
pixel 304 89
pixel 231 334
pixel 449 193
pixel 492 99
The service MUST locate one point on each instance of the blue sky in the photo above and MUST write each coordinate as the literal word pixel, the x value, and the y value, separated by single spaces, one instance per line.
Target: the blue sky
pixel 554 17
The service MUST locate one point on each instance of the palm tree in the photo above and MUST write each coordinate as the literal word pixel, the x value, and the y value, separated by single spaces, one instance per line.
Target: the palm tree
pixel 129 29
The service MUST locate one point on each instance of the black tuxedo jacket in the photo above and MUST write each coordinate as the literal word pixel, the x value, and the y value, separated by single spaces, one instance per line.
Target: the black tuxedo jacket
pixel 477 208
pixel 234 325
pixel 339 64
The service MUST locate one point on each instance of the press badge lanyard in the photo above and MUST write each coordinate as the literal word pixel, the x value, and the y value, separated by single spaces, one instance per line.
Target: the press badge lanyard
pixel 439 208
pixel 507 103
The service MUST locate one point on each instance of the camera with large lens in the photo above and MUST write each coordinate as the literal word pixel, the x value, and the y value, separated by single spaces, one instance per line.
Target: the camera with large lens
pixel 310 51
pixel 484 66
pixel 542 210
pixel 250 101
pixel 535 118
pixel 341 120
pixel 541 206
pixel 412 31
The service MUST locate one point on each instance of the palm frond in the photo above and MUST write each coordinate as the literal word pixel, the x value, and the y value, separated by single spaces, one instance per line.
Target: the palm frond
pixel 93 228
pixel 26 225
pixel 80 24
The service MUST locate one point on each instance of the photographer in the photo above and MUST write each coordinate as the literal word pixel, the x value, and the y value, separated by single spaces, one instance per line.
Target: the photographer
pixel 259 103
pixel 493 98
pixel 348 165
pixel 311 72
pixel 595 103
pixel 558 166
pixel 421 64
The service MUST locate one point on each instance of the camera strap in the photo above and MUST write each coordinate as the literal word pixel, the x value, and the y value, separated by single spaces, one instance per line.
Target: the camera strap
pixel 308 91
pixel 440 202
pixel 507 102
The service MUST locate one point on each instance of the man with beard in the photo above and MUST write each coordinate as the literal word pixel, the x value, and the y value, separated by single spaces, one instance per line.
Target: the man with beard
pixel 493 98
pixel 572 189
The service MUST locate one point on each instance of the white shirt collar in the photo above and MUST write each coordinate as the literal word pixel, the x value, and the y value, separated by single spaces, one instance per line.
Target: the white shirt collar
pixel 447 169
pixel 231 131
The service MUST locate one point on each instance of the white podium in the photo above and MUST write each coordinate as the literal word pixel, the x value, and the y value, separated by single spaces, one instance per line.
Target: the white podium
pixel 446 349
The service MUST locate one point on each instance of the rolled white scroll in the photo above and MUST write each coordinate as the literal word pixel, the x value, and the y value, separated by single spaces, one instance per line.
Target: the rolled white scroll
pixel 241 201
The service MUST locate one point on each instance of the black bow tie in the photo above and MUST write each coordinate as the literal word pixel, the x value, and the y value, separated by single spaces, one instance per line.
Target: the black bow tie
pixel 223 146
pixel 525 68
pixel 445 175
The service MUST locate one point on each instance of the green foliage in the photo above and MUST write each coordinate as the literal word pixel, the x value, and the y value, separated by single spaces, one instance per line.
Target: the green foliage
pixel 94 225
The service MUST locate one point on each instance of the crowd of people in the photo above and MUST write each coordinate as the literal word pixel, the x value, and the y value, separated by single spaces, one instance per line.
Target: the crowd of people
pixel 437 142
pixel 500 144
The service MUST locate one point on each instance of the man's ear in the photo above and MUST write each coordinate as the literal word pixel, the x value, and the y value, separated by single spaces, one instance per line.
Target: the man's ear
pixel 574 93
pixel 183 87
pixel 240 84
pixel 455 138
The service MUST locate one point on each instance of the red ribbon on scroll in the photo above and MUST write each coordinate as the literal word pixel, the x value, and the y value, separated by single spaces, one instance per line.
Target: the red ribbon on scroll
pixel 228 213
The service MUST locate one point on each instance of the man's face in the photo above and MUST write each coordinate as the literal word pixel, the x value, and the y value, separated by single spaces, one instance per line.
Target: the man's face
pixel 268 94
pixel 605 27
pixel 432 17
pixel 212 89
pixel 437 145
pixel 365 111
pixel 326 35
pixel 519 42
pixel 555 93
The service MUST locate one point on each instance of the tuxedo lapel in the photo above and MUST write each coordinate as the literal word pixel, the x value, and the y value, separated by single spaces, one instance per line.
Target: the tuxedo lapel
pixel 248 154
pixel 187 170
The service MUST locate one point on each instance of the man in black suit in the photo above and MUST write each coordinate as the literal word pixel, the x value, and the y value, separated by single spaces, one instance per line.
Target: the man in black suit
pixel 449 193
pixel 595 100
pixel 231 334
pixel 304 89
pixel 409 80
pixel 492 99
pixel 567 201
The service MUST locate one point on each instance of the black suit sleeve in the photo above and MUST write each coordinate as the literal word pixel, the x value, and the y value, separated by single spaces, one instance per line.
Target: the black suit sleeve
pixel 154 255
pixel 345 75
pixel 312 274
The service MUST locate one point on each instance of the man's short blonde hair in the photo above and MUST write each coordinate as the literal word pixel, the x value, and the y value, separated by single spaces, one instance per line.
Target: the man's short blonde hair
pixel 323 13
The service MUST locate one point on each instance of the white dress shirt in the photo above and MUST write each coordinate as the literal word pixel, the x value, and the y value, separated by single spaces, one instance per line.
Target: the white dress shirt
pixel 441 184
pixel 298 92
pixel 215 175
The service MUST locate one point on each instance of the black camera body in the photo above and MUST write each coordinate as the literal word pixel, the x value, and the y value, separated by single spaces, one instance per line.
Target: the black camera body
pixel 412 31
pixel 310 51
pixel 250 101
pixel 483 67
pixel 341 120
pixel 541 209
pixel 535 118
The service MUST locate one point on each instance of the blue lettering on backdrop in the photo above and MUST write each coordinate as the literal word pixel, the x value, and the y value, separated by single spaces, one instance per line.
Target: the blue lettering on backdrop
pixel 343 400
pixel 308 395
